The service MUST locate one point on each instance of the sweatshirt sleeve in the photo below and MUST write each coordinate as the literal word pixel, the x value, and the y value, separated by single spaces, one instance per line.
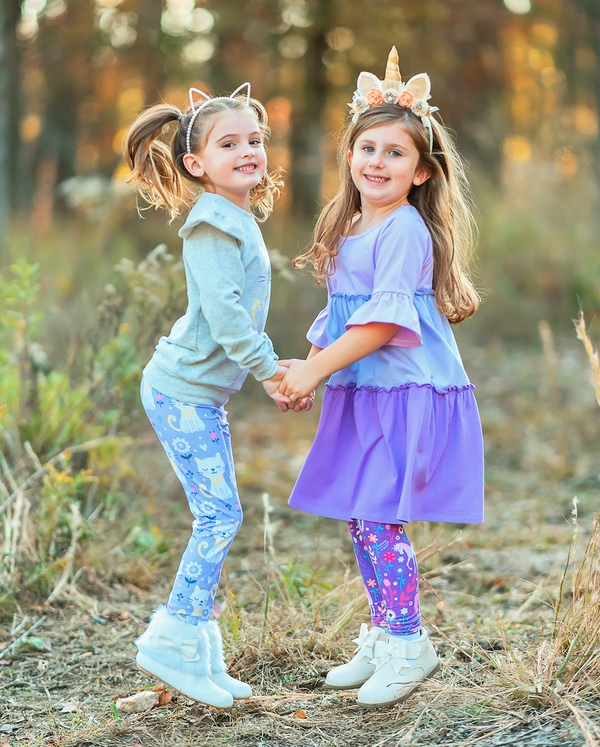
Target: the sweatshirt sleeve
pixel 399 257
pixel 214 261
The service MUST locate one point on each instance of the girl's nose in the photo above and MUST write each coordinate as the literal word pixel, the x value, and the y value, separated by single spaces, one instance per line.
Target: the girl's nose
pixel 375 160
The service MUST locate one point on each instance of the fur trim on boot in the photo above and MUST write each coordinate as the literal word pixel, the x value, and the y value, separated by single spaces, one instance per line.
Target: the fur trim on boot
pixel 218 668
pixel 168 640
pixel 179 654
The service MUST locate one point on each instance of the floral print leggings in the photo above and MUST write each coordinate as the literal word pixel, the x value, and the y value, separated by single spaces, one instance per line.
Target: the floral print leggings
pixel 388 566
pixel 197 443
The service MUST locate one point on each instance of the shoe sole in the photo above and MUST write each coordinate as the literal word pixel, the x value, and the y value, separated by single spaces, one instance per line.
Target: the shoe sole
pixel 185 695
pixel 404 697
pixel 327 686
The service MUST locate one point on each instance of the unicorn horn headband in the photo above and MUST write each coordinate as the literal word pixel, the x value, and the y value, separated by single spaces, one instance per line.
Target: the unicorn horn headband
pixel 197 108
pixel 413 95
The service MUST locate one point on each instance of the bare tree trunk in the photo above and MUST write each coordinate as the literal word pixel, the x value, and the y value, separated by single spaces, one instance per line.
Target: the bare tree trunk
pixel 147 50
pixel 9 112
pixel 307 130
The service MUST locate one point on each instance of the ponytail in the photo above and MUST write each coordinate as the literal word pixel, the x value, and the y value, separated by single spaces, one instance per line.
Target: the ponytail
pixel 153 164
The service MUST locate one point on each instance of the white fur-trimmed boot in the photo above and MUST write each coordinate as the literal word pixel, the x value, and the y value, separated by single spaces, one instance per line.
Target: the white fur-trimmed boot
pixel 360 667
pixel 179 654
pixel 401 666
pixel 218 672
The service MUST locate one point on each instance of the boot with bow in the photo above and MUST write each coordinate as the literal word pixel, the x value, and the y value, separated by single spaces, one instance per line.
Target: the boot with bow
pixel 179 654
pixel 360 667
pixel 217 665
pixel 400 666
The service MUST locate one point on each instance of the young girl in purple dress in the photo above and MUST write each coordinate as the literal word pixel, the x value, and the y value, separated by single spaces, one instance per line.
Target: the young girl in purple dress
pixel 399 438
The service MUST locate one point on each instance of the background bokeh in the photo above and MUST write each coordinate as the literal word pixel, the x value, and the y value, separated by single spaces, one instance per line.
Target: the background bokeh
pixel 517 81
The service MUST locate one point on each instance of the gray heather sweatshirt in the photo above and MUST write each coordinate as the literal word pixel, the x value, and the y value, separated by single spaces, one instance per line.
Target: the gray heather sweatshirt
pixel 221 337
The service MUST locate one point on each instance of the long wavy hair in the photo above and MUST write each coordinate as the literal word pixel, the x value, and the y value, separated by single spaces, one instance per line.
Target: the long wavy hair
pixel 158 171
pixel 443 201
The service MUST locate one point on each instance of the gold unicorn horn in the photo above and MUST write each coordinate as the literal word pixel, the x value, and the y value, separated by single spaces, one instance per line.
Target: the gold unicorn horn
pixel 392 71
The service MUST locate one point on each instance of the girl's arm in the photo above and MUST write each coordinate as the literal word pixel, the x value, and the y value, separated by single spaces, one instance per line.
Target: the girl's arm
pixel 306 403
pixel 358 342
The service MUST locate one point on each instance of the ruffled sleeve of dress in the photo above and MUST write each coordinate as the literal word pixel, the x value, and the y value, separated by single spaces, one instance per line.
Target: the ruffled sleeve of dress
pixel 401 251
pixel 317 333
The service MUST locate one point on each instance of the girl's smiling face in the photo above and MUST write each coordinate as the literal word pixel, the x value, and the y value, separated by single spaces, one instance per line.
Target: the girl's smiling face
pixel 233 159
pixel 384 165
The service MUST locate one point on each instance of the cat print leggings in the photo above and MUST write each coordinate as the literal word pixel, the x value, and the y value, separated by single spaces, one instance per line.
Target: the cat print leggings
pixel 198 446
pixel 388 566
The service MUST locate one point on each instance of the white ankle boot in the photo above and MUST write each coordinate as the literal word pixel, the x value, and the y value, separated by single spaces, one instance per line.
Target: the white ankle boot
pixel 179 654
pixel 217 665
pixel 360 667
pixel 395 678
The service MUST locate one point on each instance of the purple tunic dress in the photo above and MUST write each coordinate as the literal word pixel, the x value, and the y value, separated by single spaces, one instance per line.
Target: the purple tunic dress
pixel 399 437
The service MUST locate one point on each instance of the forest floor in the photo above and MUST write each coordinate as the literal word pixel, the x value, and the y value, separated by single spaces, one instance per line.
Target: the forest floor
pixel 290 599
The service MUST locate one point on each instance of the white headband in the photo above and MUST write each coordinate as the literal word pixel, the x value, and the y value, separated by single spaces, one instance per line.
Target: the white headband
pixel 197 109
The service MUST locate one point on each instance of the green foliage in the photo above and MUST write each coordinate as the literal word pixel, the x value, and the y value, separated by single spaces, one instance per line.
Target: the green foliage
pixel 60 444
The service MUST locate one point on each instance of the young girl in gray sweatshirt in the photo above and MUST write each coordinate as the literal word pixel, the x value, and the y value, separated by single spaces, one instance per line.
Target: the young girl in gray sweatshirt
pixel 217 150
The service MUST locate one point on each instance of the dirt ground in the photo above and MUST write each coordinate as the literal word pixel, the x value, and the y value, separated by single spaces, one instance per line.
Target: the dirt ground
pixel 289 613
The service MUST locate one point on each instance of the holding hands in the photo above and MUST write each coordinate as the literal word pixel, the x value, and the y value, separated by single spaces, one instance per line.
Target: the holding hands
pixel 289 388
pixel 271 387
pixel 299 383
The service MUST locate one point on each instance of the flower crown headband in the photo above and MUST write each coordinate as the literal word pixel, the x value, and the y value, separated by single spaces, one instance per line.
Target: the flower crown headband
pixel 196 109
pixel 413 95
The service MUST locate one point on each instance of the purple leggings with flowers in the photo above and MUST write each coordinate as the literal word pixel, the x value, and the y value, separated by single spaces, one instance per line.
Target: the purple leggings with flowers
pixel 388 566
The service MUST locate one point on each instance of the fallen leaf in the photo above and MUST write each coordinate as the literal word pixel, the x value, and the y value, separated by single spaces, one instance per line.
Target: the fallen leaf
pixel 195 714
pixel 300 714
pixel 165 697
pixel 85 654
pixel 138 703
pixel 124 616
pixel 71 706
pixel 158 688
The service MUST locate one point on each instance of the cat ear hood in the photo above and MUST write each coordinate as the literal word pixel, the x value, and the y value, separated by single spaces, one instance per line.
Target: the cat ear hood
pixel 412 95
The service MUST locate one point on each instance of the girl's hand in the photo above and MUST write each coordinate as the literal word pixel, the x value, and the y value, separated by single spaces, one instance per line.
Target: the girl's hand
pixel 299 381
pixel 271 387
pixel 305 404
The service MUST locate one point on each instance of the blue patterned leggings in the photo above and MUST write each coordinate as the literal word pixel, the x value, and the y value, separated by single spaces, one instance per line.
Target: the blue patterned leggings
pixel 198 445
pixel 388 567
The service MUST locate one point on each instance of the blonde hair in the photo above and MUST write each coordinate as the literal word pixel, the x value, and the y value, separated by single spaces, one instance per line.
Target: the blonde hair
pixel 158 171
pixel 443 202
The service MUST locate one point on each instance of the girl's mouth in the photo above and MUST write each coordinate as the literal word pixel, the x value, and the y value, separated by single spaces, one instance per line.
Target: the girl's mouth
pixel 376 179
pixel 247 168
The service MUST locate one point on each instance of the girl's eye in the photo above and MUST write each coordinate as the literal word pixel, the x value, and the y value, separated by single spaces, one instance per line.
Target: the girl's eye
pixel 395 153
pixel 256 141
pixel 229 144
pixel 368 148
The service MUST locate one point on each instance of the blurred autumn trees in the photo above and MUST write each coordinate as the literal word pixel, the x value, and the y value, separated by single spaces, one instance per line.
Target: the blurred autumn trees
pixel 517 80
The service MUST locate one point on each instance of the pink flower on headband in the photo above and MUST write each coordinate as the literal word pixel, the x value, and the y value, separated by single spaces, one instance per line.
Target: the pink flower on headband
pixel 406 99
pixel 374 96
